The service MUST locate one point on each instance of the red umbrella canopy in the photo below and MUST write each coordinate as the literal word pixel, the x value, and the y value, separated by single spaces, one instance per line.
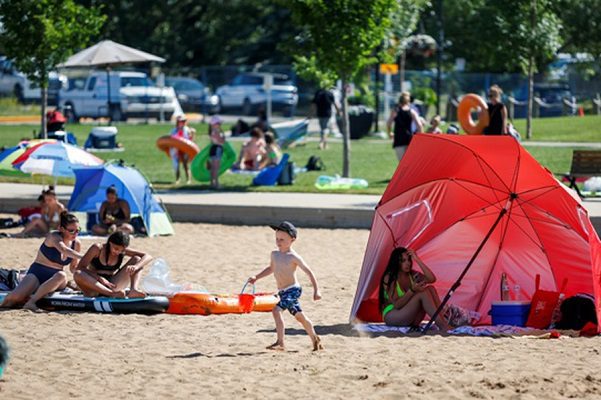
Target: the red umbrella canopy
pixel 446 195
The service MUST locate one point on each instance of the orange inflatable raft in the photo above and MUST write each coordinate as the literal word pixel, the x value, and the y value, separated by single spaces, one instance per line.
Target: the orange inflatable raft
pixel 464 114
pixel 207 304
pixel 186 146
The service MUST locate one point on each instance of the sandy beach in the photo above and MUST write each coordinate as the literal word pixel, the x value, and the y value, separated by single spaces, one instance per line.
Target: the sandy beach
pixel 96 356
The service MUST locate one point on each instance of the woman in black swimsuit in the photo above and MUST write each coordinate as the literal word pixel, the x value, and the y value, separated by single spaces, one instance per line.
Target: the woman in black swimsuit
pixel 114 215
pixel 102 272
pixel 59 249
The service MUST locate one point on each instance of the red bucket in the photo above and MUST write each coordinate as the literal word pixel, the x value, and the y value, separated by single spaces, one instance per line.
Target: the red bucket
pixel 246 300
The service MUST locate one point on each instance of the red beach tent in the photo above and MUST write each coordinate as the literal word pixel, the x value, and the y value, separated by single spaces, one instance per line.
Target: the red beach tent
pixel 447 194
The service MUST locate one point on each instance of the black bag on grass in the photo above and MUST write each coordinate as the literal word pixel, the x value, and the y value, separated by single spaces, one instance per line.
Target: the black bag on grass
pixel 315 163
pixel 287 175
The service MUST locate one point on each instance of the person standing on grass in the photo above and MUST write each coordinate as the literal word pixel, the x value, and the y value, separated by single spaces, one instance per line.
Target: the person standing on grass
pixel 283 265
pixel 323 102
pixel 217 138
pixel 497 113
pixel 181 131
pixel 402 117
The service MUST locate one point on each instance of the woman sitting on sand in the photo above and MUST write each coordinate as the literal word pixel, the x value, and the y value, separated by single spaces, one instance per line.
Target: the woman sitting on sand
pixel 51 211
pixel 46 274
pixel 406 296
pixel 114 214
pixel 101 271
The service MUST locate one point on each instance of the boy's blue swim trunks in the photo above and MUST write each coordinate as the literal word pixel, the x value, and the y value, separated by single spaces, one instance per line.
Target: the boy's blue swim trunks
pixel 289 299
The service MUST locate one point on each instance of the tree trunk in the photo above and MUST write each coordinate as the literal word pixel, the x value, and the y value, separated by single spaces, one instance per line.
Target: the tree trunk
pixel 530 97
pixel 44 91
pixel 531 73
pixel 346 136
pixel 377 98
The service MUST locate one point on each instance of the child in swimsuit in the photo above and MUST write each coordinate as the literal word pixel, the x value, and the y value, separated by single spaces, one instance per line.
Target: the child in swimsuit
pixel 284 262
pixel 60 248
pixel 406 296
pixel 181 130
pixel 216 151
pixel 102 272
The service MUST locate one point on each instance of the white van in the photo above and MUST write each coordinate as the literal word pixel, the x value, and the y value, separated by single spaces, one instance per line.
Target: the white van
pixel 133 95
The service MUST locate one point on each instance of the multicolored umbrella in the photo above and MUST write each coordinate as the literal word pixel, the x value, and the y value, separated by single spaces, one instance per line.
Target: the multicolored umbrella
pixel 55 159
pixel 6 159
pixel 8 156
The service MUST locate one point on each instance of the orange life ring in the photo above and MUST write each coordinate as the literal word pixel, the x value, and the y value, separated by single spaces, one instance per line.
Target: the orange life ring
pixel 464 114
pixel 207 304
pixel 186 146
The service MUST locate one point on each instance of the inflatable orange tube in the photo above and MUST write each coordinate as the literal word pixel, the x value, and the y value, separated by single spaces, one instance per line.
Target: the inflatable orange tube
pixel 464 114
pixel 207 304
pixel 185 146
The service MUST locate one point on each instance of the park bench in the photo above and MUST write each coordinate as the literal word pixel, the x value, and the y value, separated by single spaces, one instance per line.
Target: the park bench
pixel 585 164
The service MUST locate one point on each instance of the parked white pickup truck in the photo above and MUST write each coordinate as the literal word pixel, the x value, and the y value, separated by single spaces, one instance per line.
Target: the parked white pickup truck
pixel 133 95
pixel 15 83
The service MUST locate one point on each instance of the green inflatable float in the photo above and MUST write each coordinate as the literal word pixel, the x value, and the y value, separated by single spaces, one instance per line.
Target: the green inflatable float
pixel 199 168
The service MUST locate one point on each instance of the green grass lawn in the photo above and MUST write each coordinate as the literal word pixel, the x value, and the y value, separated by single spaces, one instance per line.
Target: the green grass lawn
pixel 10 106
pixel 373 160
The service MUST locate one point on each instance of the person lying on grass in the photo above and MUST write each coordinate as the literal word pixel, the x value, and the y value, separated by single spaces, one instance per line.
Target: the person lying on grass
pixel 102 272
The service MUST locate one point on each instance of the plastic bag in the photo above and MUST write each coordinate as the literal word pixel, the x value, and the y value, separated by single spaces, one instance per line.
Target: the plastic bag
pixel 593 184
pixel 158 281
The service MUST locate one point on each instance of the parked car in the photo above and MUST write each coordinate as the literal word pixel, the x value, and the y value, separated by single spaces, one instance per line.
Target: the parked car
pixel 550 93
pixel 247 92
pixel 193 95
pixel 15 83
pixel 133 94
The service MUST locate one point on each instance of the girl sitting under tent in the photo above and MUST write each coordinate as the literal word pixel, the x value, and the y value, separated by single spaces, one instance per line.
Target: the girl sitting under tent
pixel 114 214
pixel 406 295
pixel 102 272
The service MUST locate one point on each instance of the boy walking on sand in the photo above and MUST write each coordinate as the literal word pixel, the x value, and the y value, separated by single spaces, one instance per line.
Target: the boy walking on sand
pixel 283 266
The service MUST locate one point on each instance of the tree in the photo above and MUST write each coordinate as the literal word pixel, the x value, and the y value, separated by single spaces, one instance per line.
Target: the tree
pixel 581 22
pixel 510 36
pixel 404 19
pixel 192 33
pixel 39 34
pixel 534 30
pixel 338 40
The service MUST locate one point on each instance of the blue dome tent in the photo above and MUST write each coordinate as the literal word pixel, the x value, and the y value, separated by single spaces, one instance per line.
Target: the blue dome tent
pixel 90 191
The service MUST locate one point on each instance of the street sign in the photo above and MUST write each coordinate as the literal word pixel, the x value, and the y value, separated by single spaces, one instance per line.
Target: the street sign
pixel 389 69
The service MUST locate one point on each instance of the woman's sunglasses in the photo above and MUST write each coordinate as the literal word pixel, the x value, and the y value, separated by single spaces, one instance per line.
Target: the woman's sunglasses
pixel 73 231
